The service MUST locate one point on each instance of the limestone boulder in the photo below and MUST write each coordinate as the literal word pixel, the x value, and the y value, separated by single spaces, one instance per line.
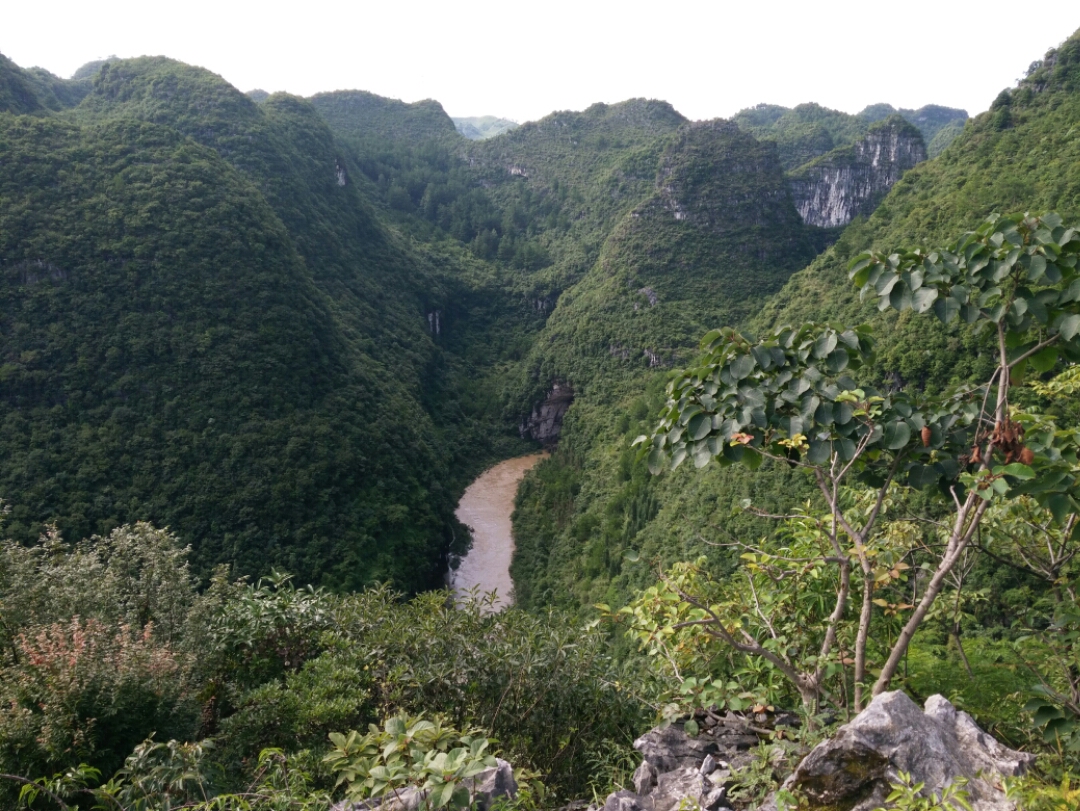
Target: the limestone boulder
pixel 852 770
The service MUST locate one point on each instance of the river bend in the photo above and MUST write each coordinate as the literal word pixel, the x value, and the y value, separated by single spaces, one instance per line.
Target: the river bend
pixel 486 507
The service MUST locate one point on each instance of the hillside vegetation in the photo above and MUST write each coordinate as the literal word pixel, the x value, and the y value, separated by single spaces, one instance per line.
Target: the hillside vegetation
pixel 591 502
pixel 809 131
pixel 253 347
pixel 206 325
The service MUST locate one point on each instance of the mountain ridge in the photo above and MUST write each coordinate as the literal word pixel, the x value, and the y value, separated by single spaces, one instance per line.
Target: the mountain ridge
pixel 448 285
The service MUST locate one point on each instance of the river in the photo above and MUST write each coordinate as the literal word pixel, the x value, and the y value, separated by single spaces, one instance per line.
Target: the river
pixel 486 508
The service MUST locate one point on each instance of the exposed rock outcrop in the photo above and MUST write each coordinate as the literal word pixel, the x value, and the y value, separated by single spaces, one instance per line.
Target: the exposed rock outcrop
pixel 545 422
pixel 680 771
pixel 849 772
pixel 853 769
pixel 492 784
pixel 846 182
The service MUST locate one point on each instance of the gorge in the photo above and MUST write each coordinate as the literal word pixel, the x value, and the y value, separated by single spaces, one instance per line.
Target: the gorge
pixel 259 353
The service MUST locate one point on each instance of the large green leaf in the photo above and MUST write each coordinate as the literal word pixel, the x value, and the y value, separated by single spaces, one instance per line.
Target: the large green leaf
pixel 900 297
pixel 946 309
pixel 1069 326
pixel 923 299
pixel 1016 470
pixel 897 434
pixel 1044 360
pixel 825 344
pixel 699 426
pixel 741 367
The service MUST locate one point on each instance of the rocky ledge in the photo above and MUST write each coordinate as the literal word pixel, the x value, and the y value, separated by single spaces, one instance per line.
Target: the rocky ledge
pixel 849 772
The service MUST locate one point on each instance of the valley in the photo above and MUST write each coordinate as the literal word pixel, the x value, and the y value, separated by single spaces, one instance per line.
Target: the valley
pixel 265 359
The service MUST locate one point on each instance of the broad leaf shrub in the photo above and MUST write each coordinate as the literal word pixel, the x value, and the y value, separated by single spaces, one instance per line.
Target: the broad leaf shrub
pixel 791 397
pixel 410 753
pixel 125 658
pixel 544 687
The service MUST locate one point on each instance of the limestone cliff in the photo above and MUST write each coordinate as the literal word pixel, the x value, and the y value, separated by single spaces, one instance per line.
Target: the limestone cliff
pixel 545 422
pixel 844 183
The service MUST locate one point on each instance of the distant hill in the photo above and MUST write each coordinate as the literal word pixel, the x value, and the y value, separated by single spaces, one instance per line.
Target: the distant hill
pixel 801 133
pixel 36 91
pixel 938 125
pixel 480 128
pixel 808 131
pixel 359 114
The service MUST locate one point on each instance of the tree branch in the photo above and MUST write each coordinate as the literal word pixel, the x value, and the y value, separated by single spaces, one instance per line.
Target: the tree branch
pixel 1035 349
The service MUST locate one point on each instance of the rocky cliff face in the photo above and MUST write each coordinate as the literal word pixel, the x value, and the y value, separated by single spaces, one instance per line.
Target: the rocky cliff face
pixel 847 182
pixel 545 422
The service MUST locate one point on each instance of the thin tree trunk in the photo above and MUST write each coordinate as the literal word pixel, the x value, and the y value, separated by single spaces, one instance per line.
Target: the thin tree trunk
pixel 960 650
pixel 865 616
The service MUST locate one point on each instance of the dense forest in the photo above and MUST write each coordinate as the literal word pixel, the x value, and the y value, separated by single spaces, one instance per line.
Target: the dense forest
pixel 254 346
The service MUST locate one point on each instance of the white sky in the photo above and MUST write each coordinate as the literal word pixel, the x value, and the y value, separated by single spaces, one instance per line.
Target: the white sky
pixel 522 59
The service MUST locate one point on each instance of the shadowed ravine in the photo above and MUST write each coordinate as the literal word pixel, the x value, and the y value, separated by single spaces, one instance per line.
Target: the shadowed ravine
pixel 485 508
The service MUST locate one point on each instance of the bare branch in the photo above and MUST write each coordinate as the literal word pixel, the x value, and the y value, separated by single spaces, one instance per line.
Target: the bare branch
pixel 757 607
pixel 720 630
pixel 1035 349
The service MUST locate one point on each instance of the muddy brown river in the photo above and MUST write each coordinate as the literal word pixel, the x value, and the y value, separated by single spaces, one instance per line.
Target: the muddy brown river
pixel 486 508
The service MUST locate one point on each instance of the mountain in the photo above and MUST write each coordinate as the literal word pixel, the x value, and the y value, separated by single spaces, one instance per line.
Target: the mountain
pixel 581 511
pixel 358 114
pixel 480 128
pixel 801 133
pixel 207 326
pixel 36 91
pixel 1022 154
pixel 938 125
pixel 293 329
pixel 716 234
pixel 849 181
pixel 809 131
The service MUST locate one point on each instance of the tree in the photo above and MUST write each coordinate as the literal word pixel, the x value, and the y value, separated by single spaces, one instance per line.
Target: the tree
pixel 792 397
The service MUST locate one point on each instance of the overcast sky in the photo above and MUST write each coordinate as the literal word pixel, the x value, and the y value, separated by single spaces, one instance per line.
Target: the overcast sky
pixel 523 59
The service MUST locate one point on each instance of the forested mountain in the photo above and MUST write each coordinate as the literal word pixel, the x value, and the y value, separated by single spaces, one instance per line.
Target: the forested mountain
pixel 206 325
pixel 582 510
pixel 808 131
pixel 316 400
pixel 38 91
pixel 292 330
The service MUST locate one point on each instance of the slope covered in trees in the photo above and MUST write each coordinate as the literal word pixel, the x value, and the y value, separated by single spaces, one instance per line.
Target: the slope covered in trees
pixel 321 413
pixel 292 329
pixel 1022 154
pixel 580 512
pixel 808 131
pixel 205 325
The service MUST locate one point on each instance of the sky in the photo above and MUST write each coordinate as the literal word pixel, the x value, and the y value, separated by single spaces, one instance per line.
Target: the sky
pixel 523 59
